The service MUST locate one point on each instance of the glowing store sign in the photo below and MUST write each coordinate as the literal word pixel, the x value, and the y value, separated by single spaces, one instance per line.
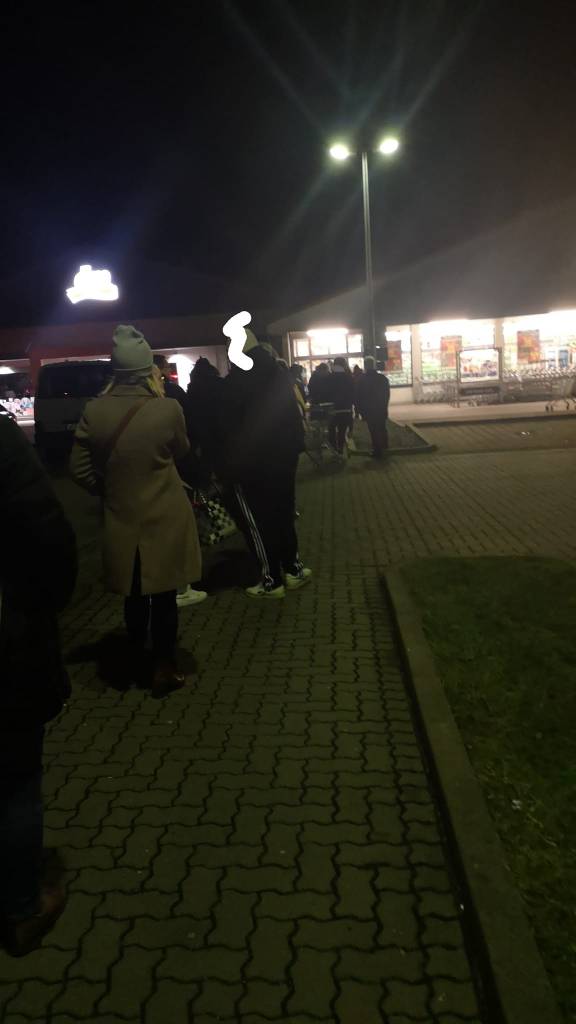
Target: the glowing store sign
pixel 92 284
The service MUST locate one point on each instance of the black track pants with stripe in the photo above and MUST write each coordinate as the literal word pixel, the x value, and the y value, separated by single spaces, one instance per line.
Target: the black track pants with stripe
pixel 268 509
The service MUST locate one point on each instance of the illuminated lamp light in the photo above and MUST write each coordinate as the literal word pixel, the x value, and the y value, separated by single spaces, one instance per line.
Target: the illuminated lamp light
pixel 7 369
pixel 339 151
pixel 92 284
pixel 388 146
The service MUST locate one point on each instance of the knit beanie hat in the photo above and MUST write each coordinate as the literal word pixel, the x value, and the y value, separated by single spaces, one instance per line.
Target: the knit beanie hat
pixel 131 353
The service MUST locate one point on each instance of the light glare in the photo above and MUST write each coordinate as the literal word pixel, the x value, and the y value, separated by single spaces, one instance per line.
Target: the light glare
pixel 92 284
pixel 339 151
pixel 389 145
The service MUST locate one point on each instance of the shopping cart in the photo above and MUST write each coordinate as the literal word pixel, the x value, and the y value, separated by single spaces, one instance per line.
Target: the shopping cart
pixel 562 391
pixel 318 447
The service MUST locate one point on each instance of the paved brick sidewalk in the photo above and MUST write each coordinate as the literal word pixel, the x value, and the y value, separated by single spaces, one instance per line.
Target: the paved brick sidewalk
pixel 265 846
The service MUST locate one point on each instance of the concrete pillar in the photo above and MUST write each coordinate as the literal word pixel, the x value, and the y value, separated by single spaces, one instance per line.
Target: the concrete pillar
pixel 416 358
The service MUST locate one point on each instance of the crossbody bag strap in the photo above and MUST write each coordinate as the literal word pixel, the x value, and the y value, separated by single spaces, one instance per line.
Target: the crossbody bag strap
pixel 126 419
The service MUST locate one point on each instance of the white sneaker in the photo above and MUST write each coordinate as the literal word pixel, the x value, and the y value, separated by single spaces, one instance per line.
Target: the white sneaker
pixel 189 596
pixel 260 591
pixel 303 577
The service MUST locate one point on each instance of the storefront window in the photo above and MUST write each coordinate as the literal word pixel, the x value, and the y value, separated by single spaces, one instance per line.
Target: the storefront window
pixel 442 340
pixel 542 342
pixel 398 366
pixel 324 344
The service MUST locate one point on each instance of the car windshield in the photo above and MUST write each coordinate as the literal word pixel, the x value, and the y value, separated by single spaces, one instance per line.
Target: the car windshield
pixel 73 381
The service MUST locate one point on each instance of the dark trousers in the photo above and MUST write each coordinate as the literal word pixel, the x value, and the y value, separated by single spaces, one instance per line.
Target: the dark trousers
pixel 157 612
pixel 339 424
pixel 267 507
pixel 21 823
pixel 377 425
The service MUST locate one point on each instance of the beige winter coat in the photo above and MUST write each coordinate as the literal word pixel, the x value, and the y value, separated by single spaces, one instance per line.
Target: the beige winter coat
pixel 145 504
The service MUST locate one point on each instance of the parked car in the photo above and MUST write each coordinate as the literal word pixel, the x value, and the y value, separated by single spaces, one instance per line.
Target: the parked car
pixel 6 412
pixel 61 394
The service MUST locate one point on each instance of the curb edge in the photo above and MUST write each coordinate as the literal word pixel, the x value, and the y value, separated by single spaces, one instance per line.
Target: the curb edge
pixel 517 986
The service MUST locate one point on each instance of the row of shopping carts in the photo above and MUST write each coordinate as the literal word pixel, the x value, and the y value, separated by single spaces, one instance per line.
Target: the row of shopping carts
pixel 554 387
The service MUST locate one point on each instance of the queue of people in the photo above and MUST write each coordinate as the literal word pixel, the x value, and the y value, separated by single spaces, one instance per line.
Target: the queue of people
pixel 134 448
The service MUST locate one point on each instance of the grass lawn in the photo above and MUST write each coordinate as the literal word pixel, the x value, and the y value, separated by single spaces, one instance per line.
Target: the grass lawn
pixel 503 633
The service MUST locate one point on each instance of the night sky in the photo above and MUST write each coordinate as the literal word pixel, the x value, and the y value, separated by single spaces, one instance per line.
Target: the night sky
pixel 186 148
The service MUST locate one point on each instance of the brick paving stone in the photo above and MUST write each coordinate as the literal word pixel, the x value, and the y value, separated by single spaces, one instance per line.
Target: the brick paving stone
pixel 79 998
pixel 99 948
pixel 270 950
pixel 400 963
pixel 265 997
pixel 293 905
pixel 44 964
pixel 457 997
pixel 217 1000
pixel 123 907
pixel 396 914
pixel 32 999
pixel 335 934
pixel 356 897
pixel 131 982
pixel 359 1003
pixel 217 963
pixel 313 983
pixel 151 933
pixel 406 997
pixel 170 1002
pixel 234 920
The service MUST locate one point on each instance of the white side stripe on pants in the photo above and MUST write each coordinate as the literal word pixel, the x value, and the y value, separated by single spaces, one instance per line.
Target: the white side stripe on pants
pixel 255 533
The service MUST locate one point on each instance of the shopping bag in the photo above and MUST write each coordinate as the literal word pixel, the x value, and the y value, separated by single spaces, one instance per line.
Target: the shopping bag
pixel 212 519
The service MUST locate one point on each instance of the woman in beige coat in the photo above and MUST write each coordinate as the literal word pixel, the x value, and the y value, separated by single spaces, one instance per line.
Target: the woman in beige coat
pixel 125 449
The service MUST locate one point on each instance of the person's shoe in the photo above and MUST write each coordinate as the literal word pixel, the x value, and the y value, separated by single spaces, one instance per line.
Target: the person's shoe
pixel 166 678
pixel 189 596
pixel 293 582
pixel 275 593
pixel 21 937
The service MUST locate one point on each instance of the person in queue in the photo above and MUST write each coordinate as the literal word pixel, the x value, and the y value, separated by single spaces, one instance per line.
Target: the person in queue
pixel 319 384
pixel 38 568
pixel 171 388
pixel 340 392
pixel 125 450
pixel 263 437
pixel 373 400
pixel 203 399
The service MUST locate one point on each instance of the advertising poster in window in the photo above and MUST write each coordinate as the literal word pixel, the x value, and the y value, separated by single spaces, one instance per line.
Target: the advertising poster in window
pixel 528 346
pixel 479 364
pixel 394 353
pixel 450 345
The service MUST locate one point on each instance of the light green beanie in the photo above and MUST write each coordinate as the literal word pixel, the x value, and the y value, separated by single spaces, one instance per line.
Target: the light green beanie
pixel 131 353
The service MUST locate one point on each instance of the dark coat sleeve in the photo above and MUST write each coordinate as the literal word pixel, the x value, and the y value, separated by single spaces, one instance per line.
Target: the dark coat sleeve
pixel 38 567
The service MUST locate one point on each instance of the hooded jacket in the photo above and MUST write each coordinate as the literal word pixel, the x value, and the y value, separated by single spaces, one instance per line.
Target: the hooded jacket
pixel 261 425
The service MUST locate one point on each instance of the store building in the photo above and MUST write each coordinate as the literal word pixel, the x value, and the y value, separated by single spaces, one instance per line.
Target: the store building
pixel 183 340
pixel 505 301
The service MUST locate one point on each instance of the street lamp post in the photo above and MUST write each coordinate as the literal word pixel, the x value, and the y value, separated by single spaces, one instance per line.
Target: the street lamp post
pixel 339 151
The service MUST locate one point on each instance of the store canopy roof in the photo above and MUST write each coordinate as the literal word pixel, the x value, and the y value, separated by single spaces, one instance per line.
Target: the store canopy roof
pixel 526 266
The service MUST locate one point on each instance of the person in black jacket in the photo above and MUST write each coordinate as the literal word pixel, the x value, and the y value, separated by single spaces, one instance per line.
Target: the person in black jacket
pixel 203 400
pixel 340 391
pixel 373 399
pixel 263 437
pixel 38 566
pixel 171 389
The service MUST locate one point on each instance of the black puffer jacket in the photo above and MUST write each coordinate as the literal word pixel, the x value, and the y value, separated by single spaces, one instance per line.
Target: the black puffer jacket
pixel 261 427
pixel 38 567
